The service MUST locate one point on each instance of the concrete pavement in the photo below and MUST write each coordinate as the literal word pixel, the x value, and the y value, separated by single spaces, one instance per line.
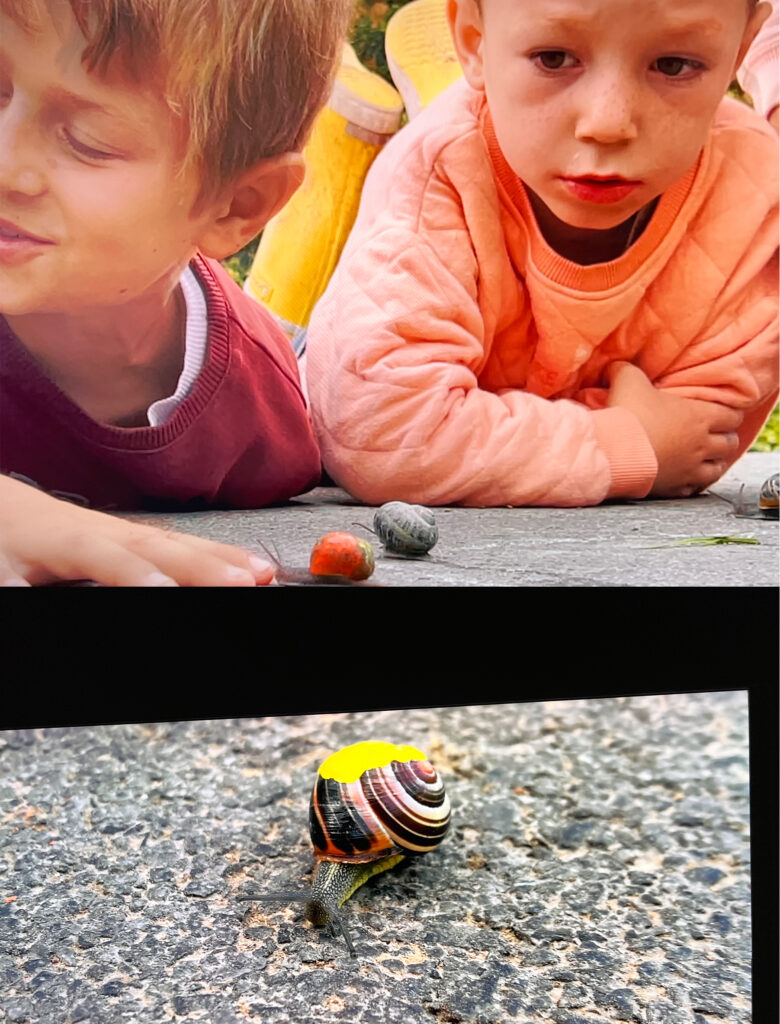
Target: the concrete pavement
pixel 626 544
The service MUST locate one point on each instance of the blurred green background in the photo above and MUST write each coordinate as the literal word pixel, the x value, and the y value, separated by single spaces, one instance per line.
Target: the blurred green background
pixel 367 37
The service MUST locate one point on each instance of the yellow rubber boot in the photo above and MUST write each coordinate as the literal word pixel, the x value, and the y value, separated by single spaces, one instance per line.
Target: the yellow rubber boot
pixel 420 53
pixel 301 245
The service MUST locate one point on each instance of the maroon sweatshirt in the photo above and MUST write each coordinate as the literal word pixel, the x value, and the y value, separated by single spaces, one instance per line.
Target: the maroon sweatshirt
pixel 241 438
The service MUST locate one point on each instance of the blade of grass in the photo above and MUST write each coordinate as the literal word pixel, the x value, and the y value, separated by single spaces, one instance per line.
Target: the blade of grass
pixel 689 541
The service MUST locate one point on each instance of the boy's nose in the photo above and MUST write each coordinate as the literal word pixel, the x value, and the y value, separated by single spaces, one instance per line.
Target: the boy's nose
pixel 607 111
pixel 20 166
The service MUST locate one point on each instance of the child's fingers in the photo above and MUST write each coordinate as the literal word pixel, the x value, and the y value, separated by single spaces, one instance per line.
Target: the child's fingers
pixel 188 564
pixel 722 419
pixel 9 577
pixel 259 567
pixel 190 559
pixel 726 420
pixel 706 475
pixel 141 557
pixel 615 368
pixel 98 557
pixel 723 446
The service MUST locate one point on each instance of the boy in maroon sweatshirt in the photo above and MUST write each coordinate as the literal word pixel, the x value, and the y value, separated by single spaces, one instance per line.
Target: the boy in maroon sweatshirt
pixel 139 145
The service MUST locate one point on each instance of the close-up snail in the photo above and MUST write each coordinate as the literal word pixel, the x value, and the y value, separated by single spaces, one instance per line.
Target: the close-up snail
pixel 373 804
pixel 338 558
pixel 769 496
pixel 767 505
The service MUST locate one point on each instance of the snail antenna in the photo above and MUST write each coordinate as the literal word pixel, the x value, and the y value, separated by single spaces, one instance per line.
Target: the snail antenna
pixel 284 897
pixel 273 555
pixel 364 527
pixel 336 916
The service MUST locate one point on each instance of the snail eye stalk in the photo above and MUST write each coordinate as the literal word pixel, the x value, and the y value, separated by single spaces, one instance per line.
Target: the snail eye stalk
pixel 278 897
pixel 339 920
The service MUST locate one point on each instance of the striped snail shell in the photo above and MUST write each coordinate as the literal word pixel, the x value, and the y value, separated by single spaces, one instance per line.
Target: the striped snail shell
pixel 406 529
pixel 769 495
pixel 373 804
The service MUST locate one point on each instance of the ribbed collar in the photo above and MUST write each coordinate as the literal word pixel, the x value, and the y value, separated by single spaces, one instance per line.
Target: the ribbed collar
pixel 598 276
pixel 138 438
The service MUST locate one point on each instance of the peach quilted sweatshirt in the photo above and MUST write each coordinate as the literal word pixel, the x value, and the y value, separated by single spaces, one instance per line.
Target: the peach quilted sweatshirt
pixel 455 358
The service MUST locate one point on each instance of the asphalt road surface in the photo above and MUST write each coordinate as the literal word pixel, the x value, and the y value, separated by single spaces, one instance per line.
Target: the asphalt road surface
pixel 597 870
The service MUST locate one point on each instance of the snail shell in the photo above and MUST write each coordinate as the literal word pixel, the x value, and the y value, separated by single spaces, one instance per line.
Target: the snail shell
pixel 406 529
pixel 373 804
pixel 373 800
pixel 769 495
pixel 342 554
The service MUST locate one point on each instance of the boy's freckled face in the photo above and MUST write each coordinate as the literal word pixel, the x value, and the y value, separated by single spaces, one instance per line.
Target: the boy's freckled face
pixel 92 211
pixel 601 105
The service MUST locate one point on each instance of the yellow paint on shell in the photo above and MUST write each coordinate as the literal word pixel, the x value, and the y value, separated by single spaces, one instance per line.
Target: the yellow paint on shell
pixel 349 763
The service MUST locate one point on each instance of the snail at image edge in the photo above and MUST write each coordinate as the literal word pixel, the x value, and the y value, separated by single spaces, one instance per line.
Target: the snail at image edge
pixel 372 805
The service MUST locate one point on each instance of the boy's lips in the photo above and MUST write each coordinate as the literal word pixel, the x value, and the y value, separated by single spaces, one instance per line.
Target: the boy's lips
pixel 18 245
pixel 11 231
pixel 595 188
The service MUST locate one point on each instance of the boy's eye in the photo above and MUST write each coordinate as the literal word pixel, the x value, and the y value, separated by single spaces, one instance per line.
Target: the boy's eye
pixel 552 60
pixel 675 67
pixel 88 152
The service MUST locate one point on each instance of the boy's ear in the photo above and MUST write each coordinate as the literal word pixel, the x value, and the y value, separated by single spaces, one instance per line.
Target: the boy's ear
pixel 757 18
pixel 245 207
pixel 465 21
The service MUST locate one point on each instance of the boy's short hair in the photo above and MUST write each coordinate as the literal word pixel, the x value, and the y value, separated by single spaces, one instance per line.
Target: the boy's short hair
pixel 247 77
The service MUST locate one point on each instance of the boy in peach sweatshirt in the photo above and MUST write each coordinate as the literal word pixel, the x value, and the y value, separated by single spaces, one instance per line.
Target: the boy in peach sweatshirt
pixel 561 287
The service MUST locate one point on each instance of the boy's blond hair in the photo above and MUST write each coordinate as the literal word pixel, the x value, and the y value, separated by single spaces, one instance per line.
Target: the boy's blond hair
pixel 246 77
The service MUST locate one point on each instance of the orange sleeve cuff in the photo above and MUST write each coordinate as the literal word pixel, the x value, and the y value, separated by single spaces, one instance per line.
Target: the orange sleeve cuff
pixel 632 461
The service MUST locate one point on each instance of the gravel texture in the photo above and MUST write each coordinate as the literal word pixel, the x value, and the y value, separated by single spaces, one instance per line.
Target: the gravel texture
pixel 597 870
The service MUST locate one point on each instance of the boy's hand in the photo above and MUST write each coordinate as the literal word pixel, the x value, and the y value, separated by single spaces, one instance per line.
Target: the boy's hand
pixel 694 441
pixel 43 539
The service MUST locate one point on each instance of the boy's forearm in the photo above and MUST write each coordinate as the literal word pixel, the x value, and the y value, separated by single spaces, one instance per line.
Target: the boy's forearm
pixel 393 381
pixel 455 443
pixel 729 369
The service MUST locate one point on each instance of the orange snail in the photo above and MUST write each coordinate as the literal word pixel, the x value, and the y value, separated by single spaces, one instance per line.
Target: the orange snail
pixel 337 558
pixel 372 805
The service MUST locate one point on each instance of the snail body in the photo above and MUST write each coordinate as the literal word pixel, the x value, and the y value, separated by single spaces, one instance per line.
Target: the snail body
pixel 406 529
pixel 372 805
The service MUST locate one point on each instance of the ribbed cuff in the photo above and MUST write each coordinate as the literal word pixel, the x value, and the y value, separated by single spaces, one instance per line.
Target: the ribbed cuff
pixel 632 460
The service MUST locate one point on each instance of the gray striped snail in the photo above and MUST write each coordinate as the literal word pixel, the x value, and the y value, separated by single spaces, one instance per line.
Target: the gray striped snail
pixel 406 529
pixel 767 506
pixel 373 804
pixel 769 496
